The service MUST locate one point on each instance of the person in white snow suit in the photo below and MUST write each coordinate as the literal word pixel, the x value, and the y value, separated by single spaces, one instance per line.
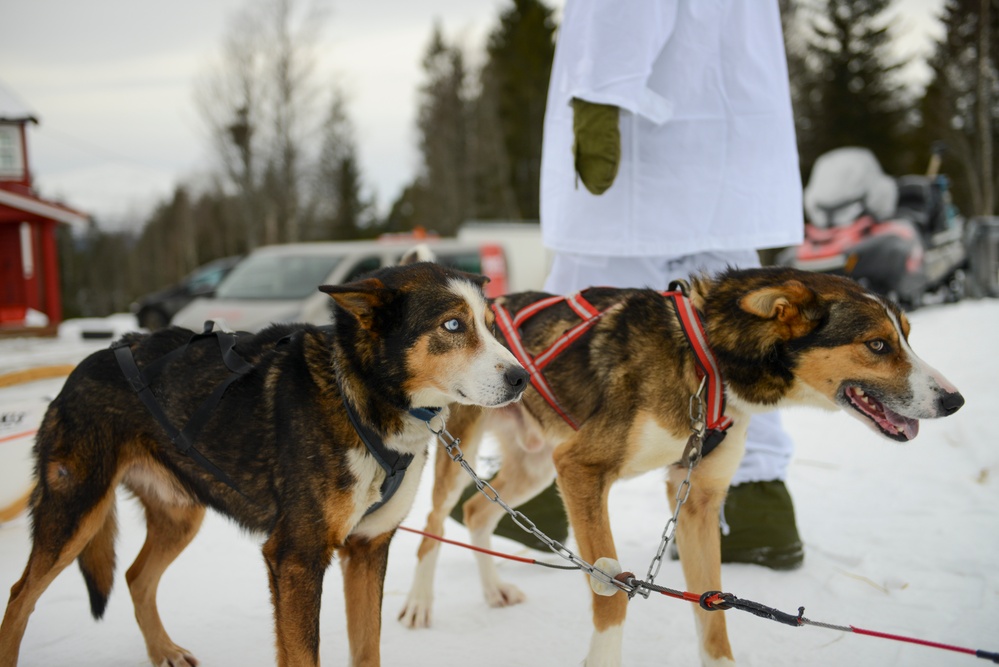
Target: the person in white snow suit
pixel 669 148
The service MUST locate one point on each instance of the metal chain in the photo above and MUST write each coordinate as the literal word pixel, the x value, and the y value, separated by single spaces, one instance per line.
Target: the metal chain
pixel 692 454
pixel 668 531
pixel 453 447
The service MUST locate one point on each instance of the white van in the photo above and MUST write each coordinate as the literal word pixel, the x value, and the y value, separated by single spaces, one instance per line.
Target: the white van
pixel 279 283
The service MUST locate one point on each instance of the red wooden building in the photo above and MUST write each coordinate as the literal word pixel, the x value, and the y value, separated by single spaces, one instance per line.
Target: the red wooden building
pixel 29 266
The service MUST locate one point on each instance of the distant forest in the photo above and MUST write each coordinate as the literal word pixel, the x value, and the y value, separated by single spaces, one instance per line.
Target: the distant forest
pixel 287 173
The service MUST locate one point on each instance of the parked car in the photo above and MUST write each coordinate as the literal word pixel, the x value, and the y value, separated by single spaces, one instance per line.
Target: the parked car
pixel 279 283
pixel 155 310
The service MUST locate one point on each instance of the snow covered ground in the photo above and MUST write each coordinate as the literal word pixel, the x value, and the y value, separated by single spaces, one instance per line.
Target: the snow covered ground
pixel 899 538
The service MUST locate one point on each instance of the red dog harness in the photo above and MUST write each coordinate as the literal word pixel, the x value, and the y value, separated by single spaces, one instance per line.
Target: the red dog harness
pixel 690 323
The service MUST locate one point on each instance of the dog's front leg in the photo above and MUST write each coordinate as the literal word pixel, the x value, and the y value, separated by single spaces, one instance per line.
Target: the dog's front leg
pixel 585 489
pixel 363 562
pixel 699 543
pixel 295 569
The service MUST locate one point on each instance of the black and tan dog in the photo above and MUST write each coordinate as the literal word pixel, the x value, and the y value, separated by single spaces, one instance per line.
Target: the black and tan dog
pixel 780 337
pixel 283 457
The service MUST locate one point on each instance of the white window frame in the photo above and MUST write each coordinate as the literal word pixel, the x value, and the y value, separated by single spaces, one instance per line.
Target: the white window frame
pixel 11 152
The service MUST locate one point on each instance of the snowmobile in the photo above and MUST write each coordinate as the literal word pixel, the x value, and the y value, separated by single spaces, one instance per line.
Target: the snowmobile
pixel 902 238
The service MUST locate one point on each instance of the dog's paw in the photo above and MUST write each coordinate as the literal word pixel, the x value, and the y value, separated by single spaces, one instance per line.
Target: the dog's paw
pixel 175 656
pixel 415 614
pixel 503 595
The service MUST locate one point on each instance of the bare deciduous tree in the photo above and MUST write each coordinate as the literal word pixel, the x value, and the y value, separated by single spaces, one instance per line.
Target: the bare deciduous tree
pixel 259 105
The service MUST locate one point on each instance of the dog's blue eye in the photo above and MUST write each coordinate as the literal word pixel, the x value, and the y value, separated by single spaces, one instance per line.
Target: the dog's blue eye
pixel 452 325
pixel 878 346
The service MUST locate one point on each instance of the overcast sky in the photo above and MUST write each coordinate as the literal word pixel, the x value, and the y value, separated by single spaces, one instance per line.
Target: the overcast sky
pixel 112 82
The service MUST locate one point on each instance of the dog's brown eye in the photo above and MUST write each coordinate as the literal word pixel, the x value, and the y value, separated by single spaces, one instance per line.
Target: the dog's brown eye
pixel 453 325
pixel 878 346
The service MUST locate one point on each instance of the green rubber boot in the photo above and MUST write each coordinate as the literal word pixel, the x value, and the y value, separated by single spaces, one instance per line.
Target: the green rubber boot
pixel 758 518
pixel 545 510
pixel 761 527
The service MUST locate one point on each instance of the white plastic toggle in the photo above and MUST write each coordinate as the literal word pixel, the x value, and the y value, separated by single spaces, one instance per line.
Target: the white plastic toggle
pixel 611 567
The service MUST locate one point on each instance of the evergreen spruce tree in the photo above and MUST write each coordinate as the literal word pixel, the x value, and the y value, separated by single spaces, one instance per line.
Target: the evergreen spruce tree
pixel 851 95
pixel 952 107
pixel 515 87
pixel 442 122
pixel 341 209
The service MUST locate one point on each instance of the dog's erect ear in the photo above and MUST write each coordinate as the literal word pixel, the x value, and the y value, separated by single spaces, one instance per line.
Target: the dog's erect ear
pixel 360 298
pixel 476 278
pixel 793 307
pixel 418 253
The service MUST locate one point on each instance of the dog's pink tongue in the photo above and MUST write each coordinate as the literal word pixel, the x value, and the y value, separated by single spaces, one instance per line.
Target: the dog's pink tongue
pixel 910 427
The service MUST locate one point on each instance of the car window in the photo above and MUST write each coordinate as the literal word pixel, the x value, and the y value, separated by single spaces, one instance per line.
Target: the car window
pixel 202 281
pixel 463 261
pixel 277 277
pixel 367 264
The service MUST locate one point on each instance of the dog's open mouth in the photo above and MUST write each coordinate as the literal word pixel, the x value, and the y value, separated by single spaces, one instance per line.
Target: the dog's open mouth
pixel 891 424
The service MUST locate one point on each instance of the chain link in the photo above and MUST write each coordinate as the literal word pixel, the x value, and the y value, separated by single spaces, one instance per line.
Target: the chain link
pixel 668 532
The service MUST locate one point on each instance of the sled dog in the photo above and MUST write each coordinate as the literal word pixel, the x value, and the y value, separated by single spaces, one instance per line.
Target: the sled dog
pixel 313 436
pixel 613 374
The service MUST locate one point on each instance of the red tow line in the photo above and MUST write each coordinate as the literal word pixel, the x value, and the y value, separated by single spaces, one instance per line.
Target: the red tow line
pixel 718 601
pixel 519 559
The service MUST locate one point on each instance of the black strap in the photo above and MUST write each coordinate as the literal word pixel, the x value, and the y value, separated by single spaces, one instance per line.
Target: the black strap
pixel 393 463
pixel 712 438
pixel 184 439
pixel 425 414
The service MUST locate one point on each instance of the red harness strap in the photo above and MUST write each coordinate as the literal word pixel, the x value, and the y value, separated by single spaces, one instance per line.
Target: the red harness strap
pixel 716 423
pixel 707 366
pixel 510 326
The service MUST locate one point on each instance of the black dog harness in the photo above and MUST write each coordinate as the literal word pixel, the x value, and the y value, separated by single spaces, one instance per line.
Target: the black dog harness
pixel 183 439
pixel 393 463
pixel 716 422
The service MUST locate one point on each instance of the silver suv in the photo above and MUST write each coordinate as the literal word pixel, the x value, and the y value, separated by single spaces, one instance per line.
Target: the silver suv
pixel 278 283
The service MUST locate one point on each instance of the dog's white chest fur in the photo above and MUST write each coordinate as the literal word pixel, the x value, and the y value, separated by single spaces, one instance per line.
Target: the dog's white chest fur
pixel 370 477
pixel 651 446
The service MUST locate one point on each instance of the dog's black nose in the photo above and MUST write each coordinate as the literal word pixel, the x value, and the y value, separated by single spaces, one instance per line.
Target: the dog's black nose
pixel 951 403
pixel 516 377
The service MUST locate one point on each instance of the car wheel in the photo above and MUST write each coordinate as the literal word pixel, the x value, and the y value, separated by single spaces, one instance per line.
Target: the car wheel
pixel 153 319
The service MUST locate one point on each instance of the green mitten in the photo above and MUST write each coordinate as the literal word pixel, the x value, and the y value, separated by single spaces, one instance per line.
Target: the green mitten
pixel 597 147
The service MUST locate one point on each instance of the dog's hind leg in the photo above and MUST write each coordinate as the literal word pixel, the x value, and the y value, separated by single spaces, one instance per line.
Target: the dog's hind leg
pixel 363 563
pixel 59 535
pixel 466 423
pixel 526 471
pixel 169 529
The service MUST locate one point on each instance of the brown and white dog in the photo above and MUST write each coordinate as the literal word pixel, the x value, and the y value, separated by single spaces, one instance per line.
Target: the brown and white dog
pixel 284 441
pixel 781 337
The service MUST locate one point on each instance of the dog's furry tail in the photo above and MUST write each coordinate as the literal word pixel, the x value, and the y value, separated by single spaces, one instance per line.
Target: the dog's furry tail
pixel 97 563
